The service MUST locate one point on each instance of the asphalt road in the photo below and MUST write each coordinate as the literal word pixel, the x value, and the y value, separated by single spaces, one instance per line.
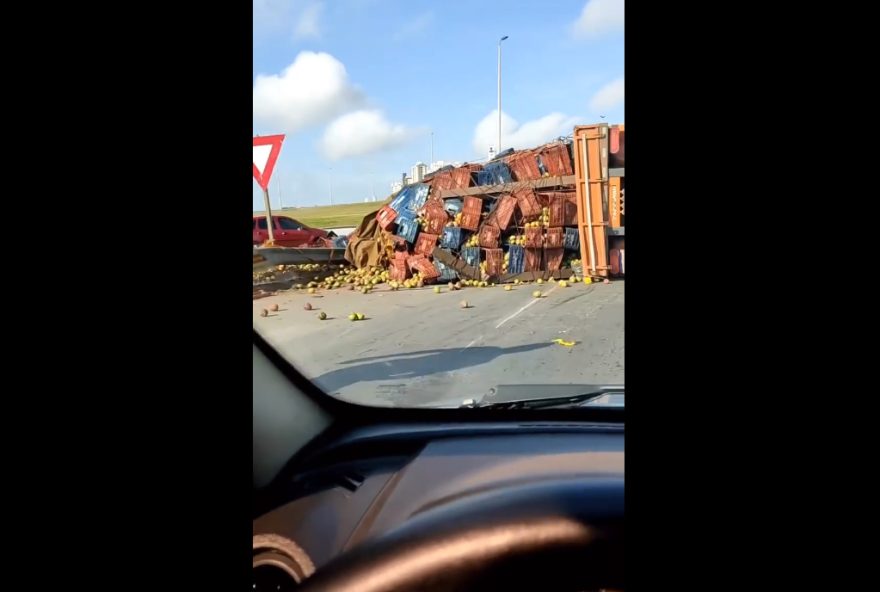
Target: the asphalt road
pixel 419 348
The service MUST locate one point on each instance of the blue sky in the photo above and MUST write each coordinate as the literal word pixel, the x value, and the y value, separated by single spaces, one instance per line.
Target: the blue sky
pixel 359 85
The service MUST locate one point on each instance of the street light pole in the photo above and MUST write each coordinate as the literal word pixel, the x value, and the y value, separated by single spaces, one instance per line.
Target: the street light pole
pixel 498 146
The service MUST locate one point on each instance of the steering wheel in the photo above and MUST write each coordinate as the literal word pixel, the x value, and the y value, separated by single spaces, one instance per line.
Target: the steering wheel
pixel 558 535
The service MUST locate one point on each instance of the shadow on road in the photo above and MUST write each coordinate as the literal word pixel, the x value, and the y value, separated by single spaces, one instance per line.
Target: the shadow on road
pixel 410 365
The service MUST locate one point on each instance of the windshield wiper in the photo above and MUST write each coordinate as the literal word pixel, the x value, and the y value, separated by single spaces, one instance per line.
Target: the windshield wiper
pixel 576 400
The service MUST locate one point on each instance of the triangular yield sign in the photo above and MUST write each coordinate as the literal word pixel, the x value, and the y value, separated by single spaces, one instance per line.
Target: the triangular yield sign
pixel 266 150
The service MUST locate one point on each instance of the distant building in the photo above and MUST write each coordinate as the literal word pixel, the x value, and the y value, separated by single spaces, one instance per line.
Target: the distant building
pixel 418 171
pixel 409 180
pixel 437 164
pixel 396 186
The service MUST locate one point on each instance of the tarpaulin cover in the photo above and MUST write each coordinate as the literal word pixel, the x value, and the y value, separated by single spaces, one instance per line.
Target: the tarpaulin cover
pixel 369 244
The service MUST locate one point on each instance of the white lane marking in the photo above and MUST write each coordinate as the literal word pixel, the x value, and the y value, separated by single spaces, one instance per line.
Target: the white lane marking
pixel 472 342
pixel 534 301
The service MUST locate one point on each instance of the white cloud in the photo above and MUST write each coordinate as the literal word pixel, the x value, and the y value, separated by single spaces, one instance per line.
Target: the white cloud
pixel 363 132
pixel 598 18
pixel 308 25
pixel 608 96
pixel 414 26
pixel 513 135
pixel 312 90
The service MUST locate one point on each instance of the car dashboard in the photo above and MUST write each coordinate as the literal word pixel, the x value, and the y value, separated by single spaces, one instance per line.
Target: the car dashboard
pixel 372 481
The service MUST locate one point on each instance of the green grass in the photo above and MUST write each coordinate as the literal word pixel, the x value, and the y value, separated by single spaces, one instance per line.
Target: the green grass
pixel 337 216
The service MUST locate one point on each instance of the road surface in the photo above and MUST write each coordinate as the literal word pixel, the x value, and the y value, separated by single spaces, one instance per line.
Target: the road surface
pixel 418 348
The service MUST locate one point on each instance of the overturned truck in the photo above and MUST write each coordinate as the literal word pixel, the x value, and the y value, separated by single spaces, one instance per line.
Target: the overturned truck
pixel 516 217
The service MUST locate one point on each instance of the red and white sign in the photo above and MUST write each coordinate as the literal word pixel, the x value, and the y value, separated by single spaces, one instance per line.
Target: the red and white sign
pixel 266 150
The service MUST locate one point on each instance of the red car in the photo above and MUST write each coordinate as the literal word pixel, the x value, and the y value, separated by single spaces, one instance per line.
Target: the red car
pixel 289 232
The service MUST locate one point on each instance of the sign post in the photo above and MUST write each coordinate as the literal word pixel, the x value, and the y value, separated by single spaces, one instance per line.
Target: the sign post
pixel 266 150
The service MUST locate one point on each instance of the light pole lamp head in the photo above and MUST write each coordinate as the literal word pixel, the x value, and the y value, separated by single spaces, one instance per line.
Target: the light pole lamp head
pixel 502 39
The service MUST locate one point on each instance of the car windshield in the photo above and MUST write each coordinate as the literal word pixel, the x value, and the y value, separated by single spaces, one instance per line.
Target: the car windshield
pixel 474 230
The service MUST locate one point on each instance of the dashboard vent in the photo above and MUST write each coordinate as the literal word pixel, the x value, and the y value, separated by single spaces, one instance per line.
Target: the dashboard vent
pixel 345 479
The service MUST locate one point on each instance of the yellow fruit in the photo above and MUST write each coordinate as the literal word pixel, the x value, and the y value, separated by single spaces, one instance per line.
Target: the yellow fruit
pixel 588 280
pixel 352 317
pixel 536 294
pixel 508 288
pixel 516 281
pixel 436 289
pixel 563 284
pixel 311 290
pixel 540 281
pixel 360 316
pixel 322 316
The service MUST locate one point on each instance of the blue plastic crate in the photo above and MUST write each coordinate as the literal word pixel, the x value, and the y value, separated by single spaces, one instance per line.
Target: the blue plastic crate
pixel 471 256
pixel 571 240
pixel 516 263
pixel 407 228
pixel 453 205
pixel 484 178
pixel 410 198
pixel 447 274
pixel 494 173
pixel 451 237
